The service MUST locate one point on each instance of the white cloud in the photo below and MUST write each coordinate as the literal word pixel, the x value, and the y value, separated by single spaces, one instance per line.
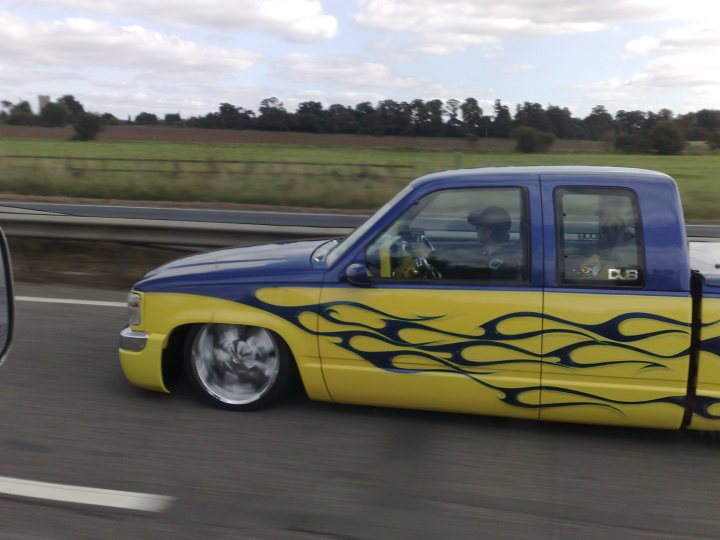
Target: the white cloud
pixel 294 20
pixel 692 73
pixel 683 58
pixel 690 68
pixel 611 91
pixel 683 61
pixel 447 43
pixel 643 45
pixel 125 56
pixel 696 36
pixel 124 104
pixel 15 76
pixel 519 68
pixel 341 70
pixel 86 42
pixel 455 25
pixel 352 98
pixel 349 99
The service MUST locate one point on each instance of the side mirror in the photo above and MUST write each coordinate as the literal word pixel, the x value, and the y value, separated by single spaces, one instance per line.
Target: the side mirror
pixel 7 300
pixel 357 274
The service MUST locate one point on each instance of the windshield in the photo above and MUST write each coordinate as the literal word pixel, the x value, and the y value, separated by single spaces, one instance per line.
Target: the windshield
pixel 349 241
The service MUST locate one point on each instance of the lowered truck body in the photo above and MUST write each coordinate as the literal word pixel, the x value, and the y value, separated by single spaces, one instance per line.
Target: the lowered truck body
pixel 550 293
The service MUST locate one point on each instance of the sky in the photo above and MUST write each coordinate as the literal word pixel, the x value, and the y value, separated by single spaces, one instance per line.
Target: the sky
pixel 188 56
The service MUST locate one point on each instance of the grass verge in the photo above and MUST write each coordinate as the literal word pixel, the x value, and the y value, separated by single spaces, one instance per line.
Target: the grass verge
pixel 338 177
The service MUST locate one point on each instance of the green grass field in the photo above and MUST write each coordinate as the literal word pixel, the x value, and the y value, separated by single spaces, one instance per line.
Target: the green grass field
pixel 337 179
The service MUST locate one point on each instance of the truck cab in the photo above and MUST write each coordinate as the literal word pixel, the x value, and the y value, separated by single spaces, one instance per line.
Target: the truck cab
pixel 584 315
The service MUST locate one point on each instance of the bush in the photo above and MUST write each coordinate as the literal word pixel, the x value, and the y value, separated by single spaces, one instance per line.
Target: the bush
pixel 632 144
pixel 21 118
pixel 87 126
pixel 697 133
pixel 714 141
pixel 667 137
pixel 146 118
pixel 531 140
pixel 110 119
pixel 54 115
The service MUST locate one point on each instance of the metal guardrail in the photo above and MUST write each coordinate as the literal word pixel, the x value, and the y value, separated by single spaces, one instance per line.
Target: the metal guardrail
pixel 156 232
pixel 190 234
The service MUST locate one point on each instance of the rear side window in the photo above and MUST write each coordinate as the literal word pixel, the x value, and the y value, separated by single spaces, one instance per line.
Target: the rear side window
pixel 599 237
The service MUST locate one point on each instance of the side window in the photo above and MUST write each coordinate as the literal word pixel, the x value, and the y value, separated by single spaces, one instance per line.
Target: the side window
pixel 599 237
pixel 456 235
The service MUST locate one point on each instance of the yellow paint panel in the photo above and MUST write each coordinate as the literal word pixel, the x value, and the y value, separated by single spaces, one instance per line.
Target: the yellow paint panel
pixel 352 383
pixel 288 296
pixel 708 376
pixel 711 392
pixel 638 326
pixel 358 316
pixel 412 334
pixel 518 325
pixel 613 362
pixel 144 368
pixel 709 362
pixel 606 313
pixel 617 403
pixel 708 369
pixel 490 352
pixel 163 312
pixel 431 336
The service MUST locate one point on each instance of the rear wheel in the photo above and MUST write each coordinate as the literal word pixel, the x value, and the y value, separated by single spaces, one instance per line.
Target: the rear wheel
pixel 237 367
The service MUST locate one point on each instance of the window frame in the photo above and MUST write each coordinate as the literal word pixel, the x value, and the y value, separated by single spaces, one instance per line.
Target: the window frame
pixel 560 269
pixel 525 232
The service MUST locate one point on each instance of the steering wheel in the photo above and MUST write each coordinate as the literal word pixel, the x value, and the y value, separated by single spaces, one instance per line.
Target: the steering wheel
pixel 405 257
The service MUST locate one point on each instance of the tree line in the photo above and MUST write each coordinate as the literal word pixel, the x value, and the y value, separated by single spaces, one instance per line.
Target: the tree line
pixel 533 126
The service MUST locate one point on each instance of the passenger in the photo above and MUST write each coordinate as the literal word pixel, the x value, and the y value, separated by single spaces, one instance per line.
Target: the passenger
pixel 616 245
pixel 610 227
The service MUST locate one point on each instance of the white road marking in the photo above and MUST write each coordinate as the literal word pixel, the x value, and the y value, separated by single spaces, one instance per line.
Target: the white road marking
pixel 78 494
pixel 83 495
pixel 70 301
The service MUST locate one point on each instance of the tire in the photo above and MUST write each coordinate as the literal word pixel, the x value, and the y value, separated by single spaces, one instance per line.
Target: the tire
pixel 237 367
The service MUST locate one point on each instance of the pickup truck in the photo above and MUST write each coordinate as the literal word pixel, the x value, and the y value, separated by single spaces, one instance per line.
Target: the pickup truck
pixel 551 293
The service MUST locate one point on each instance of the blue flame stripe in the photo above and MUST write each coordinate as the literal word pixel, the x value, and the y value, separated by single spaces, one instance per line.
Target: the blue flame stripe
pixel 702 406
pixel 448 357
pixel 711 345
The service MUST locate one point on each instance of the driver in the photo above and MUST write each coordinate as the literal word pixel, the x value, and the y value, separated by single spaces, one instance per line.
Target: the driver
pixel 493 232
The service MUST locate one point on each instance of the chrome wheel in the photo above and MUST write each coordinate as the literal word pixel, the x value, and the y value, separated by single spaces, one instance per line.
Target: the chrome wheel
pixel 236 366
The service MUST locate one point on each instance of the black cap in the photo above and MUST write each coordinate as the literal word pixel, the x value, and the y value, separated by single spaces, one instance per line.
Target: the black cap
pixel 493 217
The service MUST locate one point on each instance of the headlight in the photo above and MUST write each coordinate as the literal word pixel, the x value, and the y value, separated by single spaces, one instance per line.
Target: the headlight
pixel 134 304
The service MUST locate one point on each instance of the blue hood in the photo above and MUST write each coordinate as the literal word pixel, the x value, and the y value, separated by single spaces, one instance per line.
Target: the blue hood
pixel 265 263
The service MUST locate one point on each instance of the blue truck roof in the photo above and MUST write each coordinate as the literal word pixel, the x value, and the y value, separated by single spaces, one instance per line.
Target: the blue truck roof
pixel 580 173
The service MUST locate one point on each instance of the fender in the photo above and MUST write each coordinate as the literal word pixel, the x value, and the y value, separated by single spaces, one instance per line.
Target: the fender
pixel 164 312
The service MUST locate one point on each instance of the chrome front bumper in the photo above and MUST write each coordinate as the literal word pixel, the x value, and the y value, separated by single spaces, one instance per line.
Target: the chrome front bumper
pixel 132 341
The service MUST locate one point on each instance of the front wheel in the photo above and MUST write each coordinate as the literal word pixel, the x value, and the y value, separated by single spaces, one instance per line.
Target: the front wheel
pixel 237 367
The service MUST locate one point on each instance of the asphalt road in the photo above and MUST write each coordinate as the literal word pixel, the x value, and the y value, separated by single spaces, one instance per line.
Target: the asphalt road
pixel 303 470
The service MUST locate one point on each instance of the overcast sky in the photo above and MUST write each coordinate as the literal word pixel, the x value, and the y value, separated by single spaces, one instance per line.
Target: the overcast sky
pixel 188 56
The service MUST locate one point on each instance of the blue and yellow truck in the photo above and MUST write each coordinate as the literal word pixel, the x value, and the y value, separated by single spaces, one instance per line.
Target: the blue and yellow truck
pixel 550 293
